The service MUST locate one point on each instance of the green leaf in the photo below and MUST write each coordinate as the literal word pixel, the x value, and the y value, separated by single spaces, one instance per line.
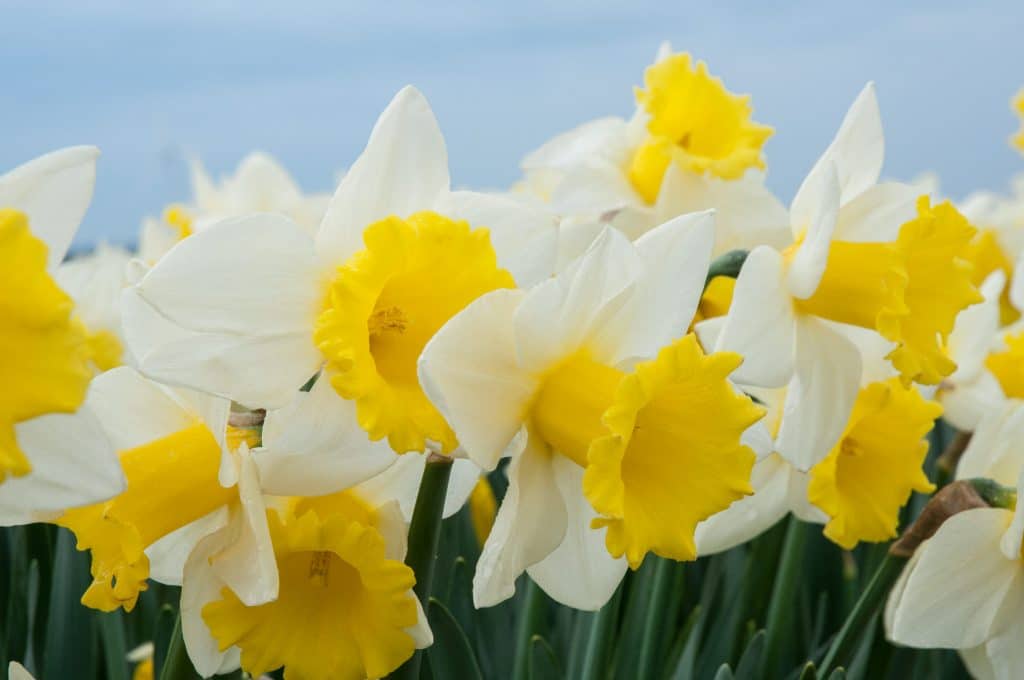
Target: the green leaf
pixel 750 662
pixel 543 662
pixel 451 655
pixel 837 674
pixel 724 672
pixel 16 618
pixel 809 672
pixel 111 628
pixel 600 638
pixel 163 630
pixel 70 649
pixel 779 626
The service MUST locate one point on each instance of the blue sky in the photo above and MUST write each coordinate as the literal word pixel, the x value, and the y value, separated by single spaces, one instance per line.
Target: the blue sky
pixel 151 83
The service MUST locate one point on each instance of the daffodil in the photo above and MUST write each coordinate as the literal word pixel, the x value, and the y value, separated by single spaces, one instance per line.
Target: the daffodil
pixel 964 587
pixel 173 448
pixel 342 579
pixel 258 184
pixel 863 254
pixel 691 145
pixel 44 355
pixel 94 281
pixel 396 255
pixel 613 419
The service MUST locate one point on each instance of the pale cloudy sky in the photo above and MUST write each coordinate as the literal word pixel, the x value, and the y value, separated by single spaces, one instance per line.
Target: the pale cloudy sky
pixel 152 83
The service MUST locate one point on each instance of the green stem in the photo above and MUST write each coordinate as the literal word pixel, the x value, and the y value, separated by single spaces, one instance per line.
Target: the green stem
pixel 531 615
pixel 177 665
pixel 595 665
pixel 783 602
pixel 424 536
pixel 652 630
pixel 839 652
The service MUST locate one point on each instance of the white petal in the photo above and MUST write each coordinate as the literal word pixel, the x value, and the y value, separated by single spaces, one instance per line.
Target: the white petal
pixel 747 214
pixel 593 138
pixel 962 590
pixel 15 671
pixel 403 170
pixel 1017 284
pixel 574 238
pixel 858 150
pixel 168 555
pixel 977 662
pixel 976 327
pixel 760 323
pixel 561 314
pixel 261 180
pixel 135 411
pixel 751 516
pixel 524 237
pixel 1014 534
pixel 529 526
pixel 200 586
pixel 579 573
pixel 73 464
pixel 250 275
pixel 245 560
pixel 420 633
pixel 314 446
pixel 597 187
pixel 995 449
pixel 54 190
pixel 1005 654
pixel 808 265
pixel 821 395
pixel 471 373
pixel 877 214
pixel 675 258
pixel 965 404
pixel 401 482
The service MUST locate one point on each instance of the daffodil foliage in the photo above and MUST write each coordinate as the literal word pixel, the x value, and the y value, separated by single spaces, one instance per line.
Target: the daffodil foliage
pixel 634 417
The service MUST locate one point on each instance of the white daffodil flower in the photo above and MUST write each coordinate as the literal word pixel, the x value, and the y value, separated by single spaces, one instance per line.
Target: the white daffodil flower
pixel 857 258
pixel 964 587
pixel 44 353
pixel 264 306
pixel 259 184
pixel 95 281
pixel 558 376
pixel 173 445
pixel 690 146
pixel 344 551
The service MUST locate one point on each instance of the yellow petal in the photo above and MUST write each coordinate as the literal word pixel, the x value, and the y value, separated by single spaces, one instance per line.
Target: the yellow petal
pixel 43 351
pixel 870 473
pixel 342 609
pixel 1008 366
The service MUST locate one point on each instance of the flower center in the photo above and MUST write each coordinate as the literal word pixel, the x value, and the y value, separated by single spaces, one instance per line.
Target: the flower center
pixel 661 446
pixel 43 351
pixel 697 122
pixel 172 481
pixel 385 304
pixel 870 473
pixel 336 584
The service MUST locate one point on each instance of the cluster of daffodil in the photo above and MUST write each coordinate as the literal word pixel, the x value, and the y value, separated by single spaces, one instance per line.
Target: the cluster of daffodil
pixel 664 357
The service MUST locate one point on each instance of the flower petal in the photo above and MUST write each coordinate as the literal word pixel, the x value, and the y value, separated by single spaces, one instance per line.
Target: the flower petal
pixel 558 316
pixel 821 395
pixel 168 555
pixel 314 446
pixel 995 451
pixel 675 258
pixel 250 275
pixel 530 525
pixel 593 138
pixel 401 482
pixel 200 586
pixel 579 573
pixel 761 322
pixel 524 237
pixel 54 190
pixel 858 151
pixel 877 214
pixel 935 610
pixel 479 386
pixel 808 265
pixel 402 170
